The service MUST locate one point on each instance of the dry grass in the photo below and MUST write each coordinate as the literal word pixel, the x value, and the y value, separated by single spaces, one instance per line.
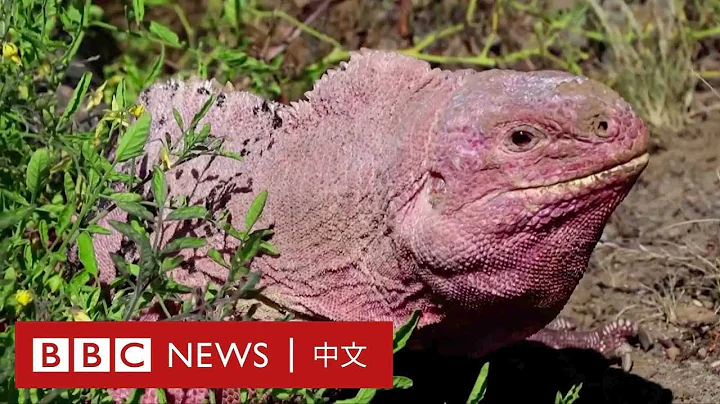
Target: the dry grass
pixel 651 59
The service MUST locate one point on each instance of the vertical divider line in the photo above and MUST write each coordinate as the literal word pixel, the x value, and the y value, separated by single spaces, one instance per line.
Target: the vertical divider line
pixel 292 360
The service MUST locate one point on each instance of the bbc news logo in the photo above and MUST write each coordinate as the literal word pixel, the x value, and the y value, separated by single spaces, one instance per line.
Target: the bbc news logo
pixel 91 355
pixel 204 354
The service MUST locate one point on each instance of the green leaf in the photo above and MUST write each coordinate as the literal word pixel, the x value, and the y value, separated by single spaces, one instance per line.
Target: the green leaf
pixel 571 396
pixel 364 396
pixel 233 58
pixel 206 106
pixel 402 382
pixel 78 281
pixel 182 243
pixel 12 217
pixel 133 269
pixel 119 102
pixel 164 33
pixel 15 197
pixel 54 283
pixel 86 253
pixel 188 213
pixel 232 11
pixel 77 96
pixel 171 263
pixel 71 51
pixel 125 197
pixel 65 218
pixel 267 248
pixel 132 142
pixel 178 119
pixel 36 170
pixel 156 68
pixel 93 228
pixel 69 185
pixel 159 187
pixel 231 231
pixel 55 210
pixel 244 255
pixel 204 133
pixel 217 257
pixel 402 334
pixel 478 391
pixel 255 210
pixel 72 15
pixel 135 209
pixel 139 11
pixel 43 229
pixel 231 154
pixel 250 283
pixel 173 287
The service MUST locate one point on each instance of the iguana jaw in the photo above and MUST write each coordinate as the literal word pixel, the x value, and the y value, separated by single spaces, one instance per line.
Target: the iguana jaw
pixel 609 176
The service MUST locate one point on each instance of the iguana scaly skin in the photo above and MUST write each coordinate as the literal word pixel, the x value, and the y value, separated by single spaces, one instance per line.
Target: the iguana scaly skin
pixel 474 197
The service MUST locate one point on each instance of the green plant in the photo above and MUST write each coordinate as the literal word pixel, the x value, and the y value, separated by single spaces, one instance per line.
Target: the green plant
pixel 55 169
pixel 480 387
pixel 572 395
pixel 651 61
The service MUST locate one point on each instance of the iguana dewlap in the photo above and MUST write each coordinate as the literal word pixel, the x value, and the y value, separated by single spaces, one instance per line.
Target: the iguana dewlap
pixel 475 197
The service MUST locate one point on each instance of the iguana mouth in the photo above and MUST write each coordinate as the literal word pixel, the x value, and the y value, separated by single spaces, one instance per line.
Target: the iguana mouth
pixel 607 176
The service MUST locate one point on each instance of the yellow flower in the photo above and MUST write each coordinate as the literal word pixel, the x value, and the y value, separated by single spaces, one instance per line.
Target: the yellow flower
pixel 23 297
pixel 137 110
pixel 80 315
pixel 11 51
pixel 165 155
pixel 96 97
pixel 44 70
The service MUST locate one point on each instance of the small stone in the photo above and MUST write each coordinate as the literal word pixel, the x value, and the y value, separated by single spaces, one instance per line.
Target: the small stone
pixel 645 340
pixel 672 353
pixel 694 315
pixel 702 353
pixel 715 364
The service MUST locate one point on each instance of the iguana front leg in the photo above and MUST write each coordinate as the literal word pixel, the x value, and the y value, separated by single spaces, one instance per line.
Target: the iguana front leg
pixel 610 340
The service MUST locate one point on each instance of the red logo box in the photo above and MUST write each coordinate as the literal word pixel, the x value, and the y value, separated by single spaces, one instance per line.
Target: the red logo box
pixel 203 354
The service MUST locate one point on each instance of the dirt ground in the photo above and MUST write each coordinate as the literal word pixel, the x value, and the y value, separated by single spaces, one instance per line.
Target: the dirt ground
pixel 656 264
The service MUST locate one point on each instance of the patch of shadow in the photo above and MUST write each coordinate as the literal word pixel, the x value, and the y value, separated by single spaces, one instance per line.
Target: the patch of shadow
pixel 222 193
pixel 527 372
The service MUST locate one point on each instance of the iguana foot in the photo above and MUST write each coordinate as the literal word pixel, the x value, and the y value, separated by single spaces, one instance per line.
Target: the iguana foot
pixel 181 396
pixel 611 340
pixel 561 323
pixel 150 396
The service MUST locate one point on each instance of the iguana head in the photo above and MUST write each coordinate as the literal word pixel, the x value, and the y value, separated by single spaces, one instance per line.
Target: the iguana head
pixel 524 171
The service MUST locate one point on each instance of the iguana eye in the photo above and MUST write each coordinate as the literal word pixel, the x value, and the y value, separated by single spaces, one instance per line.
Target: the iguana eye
pixel 522 139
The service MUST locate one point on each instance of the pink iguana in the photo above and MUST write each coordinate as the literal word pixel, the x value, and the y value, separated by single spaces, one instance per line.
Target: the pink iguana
pixel 474 197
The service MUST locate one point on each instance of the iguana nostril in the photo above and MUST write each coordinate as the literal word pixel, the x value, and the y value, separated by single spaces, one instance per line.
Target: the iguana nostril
pixel 599 126
pixel 601 129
